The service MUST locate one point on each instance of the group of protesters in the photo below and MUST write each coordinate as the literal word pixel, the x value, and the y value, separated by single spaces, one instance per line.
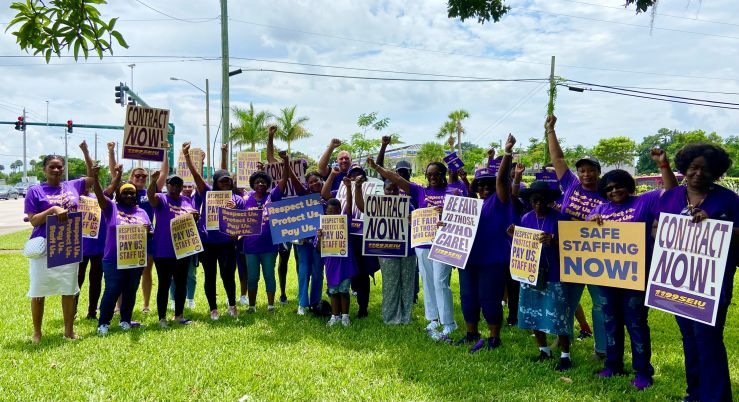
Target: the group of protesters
pixel 550 307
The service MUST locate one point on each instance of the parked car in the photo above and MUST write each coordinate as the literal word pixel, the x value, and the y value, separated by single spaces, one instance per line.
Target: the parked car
pixel 7 192
pixel 21 189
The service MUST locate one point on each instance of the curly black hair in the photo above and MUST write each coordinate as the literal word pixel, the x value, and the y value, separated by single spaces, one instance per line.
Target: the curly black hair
pixel 442 171
pixel 49 158
pixel 334 202
pixel 259 175
pixel 718 160
pixel 618 176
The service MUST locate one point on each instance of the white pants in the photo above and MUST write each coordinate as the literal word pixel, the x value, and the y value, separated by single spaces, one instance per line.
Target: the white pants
pixel 55 281
pixel 437 293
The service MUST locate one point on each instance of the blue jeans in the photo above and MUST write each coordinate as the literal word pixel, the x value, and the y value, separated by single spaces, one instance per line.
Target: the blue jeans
pixel 625 307
pixel 599 323
pixel 310 274
pixel 119 282
pixel 192 279
pixel 267 261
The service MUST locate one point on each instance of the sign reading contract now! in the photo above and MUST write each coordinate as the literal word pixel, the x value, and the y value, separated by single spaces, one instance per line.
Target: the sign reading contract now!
pixel 145 133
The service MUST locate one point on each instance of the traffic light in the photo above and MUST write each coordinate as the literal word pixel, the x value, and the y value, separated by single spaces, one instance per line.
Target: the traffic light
pixel 120 94
pixel 69 126
pixel 131 101
pixel 20 125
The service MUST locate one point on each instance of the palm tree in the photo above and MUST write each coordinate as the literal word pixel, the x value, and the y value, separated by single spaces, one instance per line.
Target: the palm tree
pixel 447 131
pixel 252 128
pixel 456 117
pixel 291 128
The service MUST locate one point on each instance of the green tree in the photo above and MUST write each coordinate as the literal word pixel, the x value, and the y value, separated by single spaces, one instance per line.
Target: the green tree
pixel 447 130
pixel 671 141
pixel 252 127
pixel 429 152
pixel 616 151
pixel 360 144
pixel 473 155
pixel 456 117
pixel 485 10
pixel 291 128
pixel 370 120
pixel 49 29
pixel 731 144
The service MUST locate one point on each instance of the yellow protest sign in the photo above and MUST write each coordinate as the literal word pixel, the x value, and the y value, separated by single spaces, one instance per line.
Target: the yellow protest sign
pixel 335 236
pixel 423 226
pixel 608 255
pixel 246 165
pixel 131 246
pixel 90 216
pixel 525 255
pixel 213 201
pixel 196 155
pixel 185 238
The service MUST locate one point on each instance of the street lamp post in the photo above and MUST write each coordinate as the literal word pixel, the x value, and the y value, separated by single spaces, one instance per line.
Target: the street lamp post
pixel 207 118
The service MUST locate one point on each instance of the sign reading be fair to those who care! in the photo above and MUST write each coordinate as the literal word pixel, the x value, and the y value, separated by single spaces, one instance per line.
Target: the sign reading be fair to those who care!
pixel 688 266
pixel 145 132
pixel 386 225
pixel 609 255
pixel 453 241
pixel 423 226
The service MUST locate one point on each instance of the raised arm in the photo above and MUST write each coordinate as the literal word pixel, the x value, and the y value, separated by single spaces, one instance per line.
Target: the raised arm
pixel 555 151
pixel 349 197
pixel 102 199
pixel 394 177
pixel 199 182
pixel 271 144
pixel 328 184
pixel 151 191
pixel 517 175
pixel 323 168
pixel 502 184
pixel 111 156
pixel 663 162
pixel 297 185
pixel 383 146
pixel 224 157
pixel 115 181
pixel 88 164
pixel 282 184
pixel 360 193
pixel 163 171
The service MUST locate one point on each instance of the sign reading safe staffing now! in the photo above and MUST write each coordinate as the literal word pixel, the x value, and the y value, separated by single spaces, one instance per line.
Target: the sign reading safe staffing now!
pixel 688 265
pixel 145 131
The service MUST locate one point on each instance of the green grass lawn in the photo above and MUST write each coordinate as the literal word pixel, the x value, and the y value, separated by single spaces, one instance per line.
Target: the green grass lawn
pixel 282 356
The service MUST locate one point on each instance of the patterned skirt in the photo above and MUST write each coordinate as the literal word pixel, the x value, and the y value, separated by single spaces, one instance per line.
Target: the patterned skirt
pixel 551 310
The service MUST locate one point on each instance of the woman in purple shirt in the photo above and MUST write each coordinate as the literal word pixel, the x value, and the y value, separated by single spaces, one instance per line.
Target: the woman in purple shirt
pixel 706 364
pixel 53 197
pixel 436 276
pixel 122 283
pixel 310 266
pixel 625 307
pixel 167 207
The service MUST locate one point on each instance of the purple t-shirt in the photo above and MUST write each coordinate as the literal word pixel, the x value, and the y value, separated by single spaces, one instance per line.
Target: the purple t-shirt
pixel 260 243
pixel 119 215
pixel 576 201
pixel 337 181
pixel 720 203
pixel 549 254
pixel 42 196
pixel 492 245
pixel 145 204
pixel 167 209
pixel 339 268
pixel 459 184
pixel 423 197
pixel 213 236
pixel 93 247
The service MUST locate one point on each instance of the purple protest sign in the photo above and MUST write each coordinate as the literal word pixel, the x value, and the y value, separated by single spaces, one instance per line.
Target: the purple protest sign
pixel 453 241
pixel 453 162
pixel 63 240
pixel 688 264
pixel 240 222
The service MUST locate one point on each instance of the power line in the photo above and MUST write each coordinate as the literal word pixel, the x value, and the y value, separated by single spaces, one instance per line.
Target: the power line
pixel 500 120
pixel 653 98
pixel 654 94
pixel 165 14
pixel 536 80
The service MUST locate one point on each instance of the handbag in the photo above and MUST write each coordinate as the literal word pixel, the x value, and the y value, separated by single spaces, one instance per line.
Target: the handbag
pixel 541 277
pixel 35 247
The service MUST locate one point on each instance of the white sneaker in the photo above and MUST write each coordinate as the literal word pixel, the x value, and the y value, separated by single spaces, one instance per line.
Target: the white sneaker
pixel 232 311
pixel 433 325
pixel 191 304
pixel 335 319
pixel 345 320
pixel 124 325
pixel 243 301
pixel 251 309
pixel 271 308
pixel 214 315
pixel 448 329
pixel 301 310
pixel 103 329
pixel 163 323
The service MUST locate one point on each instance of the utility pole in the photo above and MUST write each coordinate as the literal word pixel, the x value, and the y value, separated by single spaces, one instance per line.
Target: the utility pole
pixel 66 158
pixel 224 73
pixel 208 173
pixel 25 169
pixel 131 66
pixel 96 146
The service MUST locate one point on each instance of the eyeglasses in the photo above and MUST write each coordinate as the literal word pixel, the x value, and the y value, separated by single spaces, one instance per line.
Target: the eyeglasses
pixel 433 174
pixel 141 176
pixel 612 187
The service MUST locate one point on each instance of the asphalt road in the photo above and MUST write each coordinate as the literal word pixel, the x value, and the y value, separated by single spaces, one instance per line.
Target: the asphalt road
pixel 11 216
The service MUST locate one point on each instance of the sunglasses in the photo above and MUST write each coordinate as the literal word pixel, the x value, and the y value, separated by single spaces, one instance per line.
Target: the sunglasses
pixel 612 187
pixel 141 176
pixel 433 174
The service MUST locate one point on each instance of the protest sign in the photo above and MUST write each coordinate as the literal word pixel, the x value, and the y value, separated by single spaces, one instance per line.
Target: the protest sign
pixel 525 255
pixel 145 132
pixel 334 238
pixel 608 255
pixel 688 265
pixel 274 170
pixel 371 187
pixel 185 238
pixel 385 228
pixel 196 156
pixel 246 164
pixel 213 201
pixel 131 246
pixel 63 240
pixel 453 162
pixel 453 241
pixel 296 218
pixel 240 222
pixel 91 214
pixel 423 226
